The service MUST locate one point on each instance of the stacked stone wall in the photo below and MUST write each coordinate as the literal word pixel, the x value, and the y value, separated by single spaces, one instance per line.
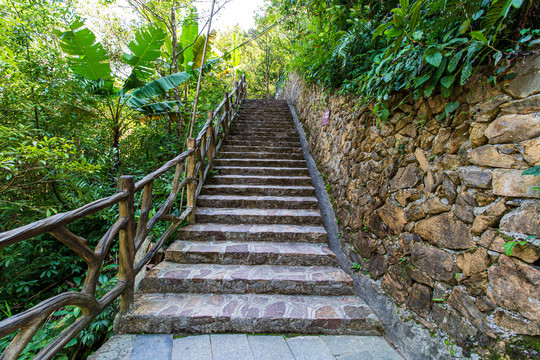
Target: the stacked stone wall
pixel 426 202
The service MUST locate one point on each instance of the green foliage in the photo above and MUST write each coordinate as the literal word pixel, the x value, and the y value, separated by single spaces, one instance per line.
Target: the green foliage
pixel 87 57
pixel 374 49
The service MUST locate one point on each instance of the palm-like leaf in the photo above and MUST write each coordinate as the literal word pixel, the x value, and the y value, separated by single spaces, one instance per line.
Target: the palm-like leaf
pixel 190 30
pixel 160 86
pixel 159 108
pixel 86 56
pixel 198 49
pixel 145 49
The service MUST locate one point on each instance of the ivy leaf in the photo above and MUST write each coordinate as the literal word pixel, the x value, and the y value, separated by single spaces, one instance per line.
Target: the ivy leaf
pixel 479 36
pixel 447 81
pixel 434 59
pixel 465 74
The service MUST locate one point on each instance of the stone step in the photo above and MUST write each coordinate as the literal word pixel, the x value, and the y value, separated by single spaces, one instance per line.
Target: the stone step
pixel 274 125
pixel 248 162
pixel 250 253
pixel 266 136
pixel 259 143
pixel 262 171
pixel 252 190
pixel 250 232
pixel 249 313
pixel 259 155
pixel 257 202
pixel 261 180
pixel 258 216
pixel 169 277
pixel 251 128
pixel 269 149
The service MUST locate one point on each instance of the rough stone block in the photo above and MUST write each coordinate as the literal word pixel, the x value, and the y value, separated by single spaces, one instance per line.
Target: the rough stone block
pixel 513 128
pixel 445 231
pixel 527 82
pixel 512 183
pixel 475 177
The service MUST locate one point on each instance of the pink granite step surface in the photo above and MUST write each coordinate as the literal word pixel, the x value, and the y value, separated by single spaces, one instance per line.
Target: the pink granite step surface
pixel 261 190
pixel 261 171
pixel 250 253
pixel 260 155
pixel 250 232
pixel 261 180
pixel 260 202
pixel 244 279
pixel 251 162
pixel 249 313
pixel 258 216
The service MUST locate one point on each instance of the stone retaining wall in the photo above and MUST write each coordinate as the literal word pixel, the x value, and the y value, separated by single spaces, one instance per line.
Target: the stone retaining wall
pixel 425 205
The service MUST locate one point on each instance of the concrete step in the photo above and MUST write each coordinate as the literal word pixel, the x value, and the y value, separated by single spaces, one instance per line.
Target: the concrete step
pixel 259 143
pixel 259 155
pixel 249 313
pixel 170 277
pixel 263 190
pixel 250 253
pixel 264 137
pixel 258 216
pixel 261 180
pixel 250 232
pixel 246 347
pixel 252 128
pixel 262 171
pixel 248 162
pixel 269 149
pixel 258 202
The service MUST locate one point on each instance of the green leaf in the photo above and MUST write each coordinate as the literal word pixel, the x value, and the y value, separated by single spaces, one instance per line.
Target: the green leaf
pixel 447 81
pixel 393 32
pixel 163 107
pixel 198 48
pixel 380 29
pixel 429 90
pixel 517 3
pixel 479 36
pixel 498 56
pixel 86 56
pixel 160 86
pixel 399 20
pixel 465 26
pixel 535 170
pixel 190 30
pixel 415 15
pixel 404 4
pixel 465 73
pixel 454 61
pixel 434 59
pixel 451 107
pixel 145 49
pixel 422 80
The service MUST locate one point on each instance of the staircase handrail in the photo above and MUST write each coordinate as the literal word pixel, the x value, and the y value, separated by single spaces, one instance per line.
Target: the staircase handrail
pixel 196 162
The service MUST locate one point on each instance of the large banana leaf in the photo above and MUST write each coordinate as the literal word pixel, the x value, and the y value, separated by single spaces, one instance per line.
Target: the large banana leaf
pixel 86 56
pixel 159 108
pixel 198 48
pixel 145 49
pixel 160 86
pixel 190 30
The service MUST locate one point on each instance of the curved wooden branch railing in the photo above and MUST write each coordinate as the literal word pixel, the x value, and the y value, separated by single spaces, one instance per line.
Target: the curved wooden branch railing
pixel 196 162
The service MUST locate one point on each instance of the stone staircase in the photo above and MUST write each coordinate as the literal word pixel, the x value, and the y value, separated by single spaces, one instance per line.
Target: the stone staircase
pixel 257 259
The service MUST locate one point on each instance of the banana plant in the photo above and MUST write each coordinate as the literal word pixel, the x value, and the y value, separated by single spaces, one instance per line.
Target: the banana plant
pixel 88 58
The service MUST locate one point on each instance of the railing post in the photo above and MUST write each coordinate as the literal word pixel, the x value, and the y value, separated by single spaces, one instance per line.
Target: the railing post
pixel 210 138
pixel 227 119
pixel 237 94
pixel 126 252
pixel 191 187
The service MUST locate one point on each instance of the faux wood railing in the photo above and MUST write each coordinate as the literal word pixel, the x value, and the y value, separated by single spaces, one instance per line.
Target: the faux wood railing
pixel 197 161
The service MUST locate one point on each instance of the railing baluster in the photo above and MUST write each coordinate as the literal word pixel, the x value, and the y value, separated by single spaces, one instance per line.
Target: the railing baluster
pixel 192 186
pixel 126 252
